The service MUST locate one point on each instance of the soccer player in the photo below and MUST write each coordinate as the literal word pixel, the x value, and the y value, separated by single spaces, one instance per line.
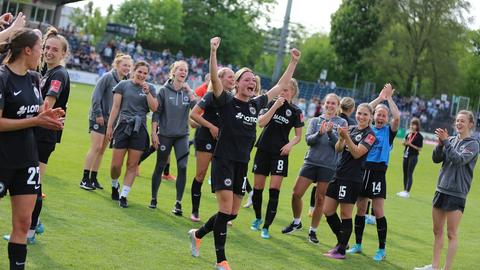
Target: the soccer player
pixel 132 100
pixel 55 88
pixel 206 114
pixel 347 107
pixel 273 147
pixel 354 143
pixel 458 155
pixel 102 99
pixel 21 109
pixel 239 114
pixel 375 168
pixel 413 144
pixel 319 165
pixel 170 129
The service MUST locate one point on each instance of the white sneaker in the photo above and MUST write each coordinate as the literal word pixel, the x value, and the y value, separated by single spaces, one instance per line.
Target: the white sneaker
pixel 426 267
pixel 249 200
pixel 403 194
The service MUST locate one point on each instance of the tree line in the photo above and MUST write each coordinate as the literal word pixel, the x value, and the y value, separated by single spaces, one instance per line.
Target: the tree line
pixel 423 47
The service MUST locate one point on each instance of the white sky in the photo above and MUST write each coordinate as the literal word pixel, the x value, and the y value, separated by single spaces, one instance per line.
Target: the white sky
pixel 313 14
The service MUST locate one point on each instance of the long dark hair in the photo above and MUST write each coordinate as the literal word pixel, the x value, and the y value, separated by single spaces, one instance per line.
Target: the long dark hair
pixel 20 40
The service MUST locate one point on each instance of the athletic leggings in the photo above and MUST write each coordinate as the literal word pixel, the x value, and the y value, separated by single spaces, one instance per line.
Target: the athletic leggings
pixel 180 145
pixel 409 164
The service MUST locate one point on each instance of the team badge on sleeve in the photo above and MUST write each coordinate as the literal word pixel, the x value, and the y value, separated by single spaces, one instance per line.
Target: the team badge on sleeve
pixel 55 85
pixel 370 139
pixel 302 119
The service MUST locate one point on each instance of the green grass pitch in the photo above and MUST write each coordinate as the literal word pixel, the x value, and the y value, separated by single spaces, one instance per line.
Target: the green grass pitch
pixel 87 230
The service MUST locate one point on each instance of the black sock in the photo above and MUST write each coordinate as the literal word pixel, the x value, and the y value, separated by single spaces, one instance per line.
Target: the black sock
pixel 248 188
pixel 166 170
pixel 206 228
pixel 232 217
pixel 312 196
pixel 196 195
pixel 382 232
pixel 17 254
pixel 335 225
pixel 93 176
pixel 220 235
pixel 345 233
pixel 359 227
pixel 271 207
pixel 36 212
pixel 86 174
pixel 257 202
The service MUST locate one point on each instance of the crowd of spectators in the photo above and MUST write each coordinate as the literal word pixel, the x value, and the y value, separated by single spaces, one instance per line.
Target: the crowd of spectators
pixel 84 56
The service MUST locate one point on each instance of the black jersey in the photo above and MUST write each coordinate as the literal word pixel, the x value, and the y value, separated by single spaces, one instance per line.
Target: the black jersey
pixel 275 134
pixel 55 83
pixel 239 125
pixel 349 168
pixel 210 113
pixel 19 99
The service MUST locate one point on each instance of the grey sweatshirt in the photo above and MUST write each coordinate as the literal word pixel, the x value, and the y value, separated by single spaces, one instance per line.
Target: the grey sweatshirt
pixel 322 146
pixel 102 98
pixel 459 158
pixel 173 111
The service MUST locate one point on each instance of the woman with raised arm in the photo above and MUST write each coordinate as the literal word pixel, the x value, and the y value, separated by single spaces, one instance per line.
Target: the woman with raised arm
pixel 238 114
pixel 458 155
pixel 273 147
pixel 354 143
pixel 319 165
pixel 170 129
pixel 102 99
pixel 21 109
pixel 206 115
pixel 132 100
pixel 375 169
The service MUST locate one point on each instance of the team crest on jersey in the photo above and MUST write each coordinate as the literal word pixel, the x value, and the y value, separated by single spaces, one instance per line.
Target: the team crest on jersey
pixel 208 146
pixel 288 113
pixel 185 98
pixel 358 137
pixel 95 126
pixel 252 110
pixel 227 182
pixel 162 147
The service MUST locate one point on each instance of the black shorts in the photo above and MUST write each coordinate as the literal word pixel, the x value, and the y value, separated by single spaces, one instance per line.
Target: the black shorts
pixel 316 173
pixel 136 140
pixel 229 175
pixel 97 128
pixel 448 202
pixel 205 145
pixel 20 181
pixel 266 163
pixel 374 185
pixel 344 191
pixel 45 149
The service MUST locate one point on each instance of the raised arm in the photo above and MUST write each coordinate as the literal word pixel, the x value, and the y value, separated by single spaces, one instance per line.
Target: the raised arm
pixel 216 83
pixel 395 122
pixel 265 118
pixel 287 75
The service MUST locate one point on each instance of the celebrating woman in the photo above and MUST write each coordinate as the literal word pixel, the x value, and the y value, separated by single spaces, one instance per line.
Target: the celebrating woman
pixel 458 155
pixel 102 100
pixel 132 100
pixel 20 110
pixel 239 114
pixel 343 190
